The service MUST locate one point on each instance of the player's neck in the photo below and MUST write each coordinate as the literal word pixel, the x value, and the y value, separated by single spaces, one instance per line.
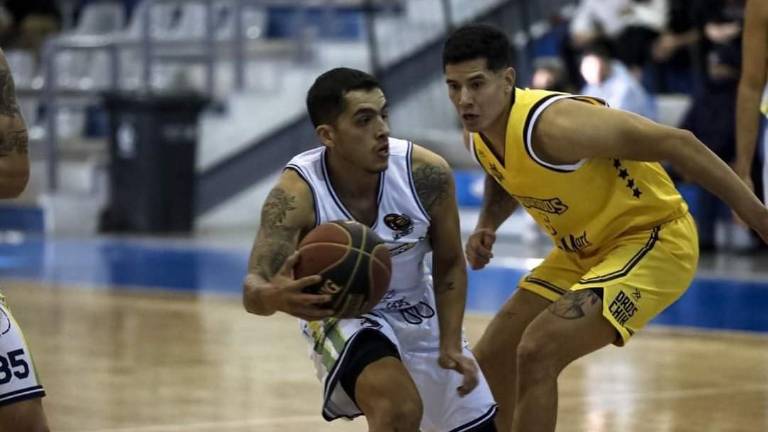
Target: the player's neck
pixel 495 135
pixel 350 182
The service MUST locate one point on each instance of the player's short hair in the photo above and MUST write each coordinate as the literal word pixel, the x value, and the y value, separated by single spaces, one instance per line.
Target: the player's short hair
pixel 325 99
pixel 478 41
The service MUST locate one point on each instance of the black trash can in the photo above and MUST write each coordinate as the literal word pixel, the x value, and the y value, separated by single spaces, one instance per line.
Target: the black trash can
pixel 153 146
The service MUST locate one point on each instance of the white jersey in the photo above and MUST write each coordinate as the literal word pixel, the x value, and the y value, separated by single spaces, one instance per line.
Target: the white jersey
pixel 401 222
pixel 406 315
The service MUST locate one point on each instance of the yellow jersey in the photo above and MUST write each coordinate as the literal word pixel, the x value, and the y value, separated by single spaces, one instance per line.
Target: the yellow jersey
pixel 582 206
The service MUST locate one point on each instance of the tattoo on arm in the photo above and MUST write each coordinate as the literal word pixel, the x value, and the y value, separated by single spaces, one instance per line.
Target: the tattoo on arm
pixel 432 184
pixel 571 305
pixel 276 207
pixel 8 105
pixel 277 241
pixel 269 255
pixel 14 141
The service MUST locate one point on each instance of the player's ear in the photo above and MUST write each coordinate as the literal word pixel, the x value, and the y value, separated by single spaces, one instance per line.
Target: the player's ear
pixel 325 134
pixel 510 76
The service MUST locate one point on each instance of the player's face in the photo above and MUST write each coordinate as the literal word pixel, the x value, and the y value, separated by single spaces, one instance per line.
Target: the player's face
pixel 361 133
pixel 480 96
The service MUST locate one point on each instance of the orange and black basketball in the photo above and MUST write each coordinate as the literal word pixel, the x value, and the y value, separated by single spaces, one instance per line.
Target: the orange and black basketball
pixel 353 261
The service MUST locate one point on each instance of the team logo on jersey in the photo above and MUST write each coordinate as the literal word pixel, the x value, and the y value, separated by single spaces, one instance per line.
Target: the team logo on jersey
pixel 416 314
pixel 401 224
pixel 573 243
pixel 622 308
pixel 549 205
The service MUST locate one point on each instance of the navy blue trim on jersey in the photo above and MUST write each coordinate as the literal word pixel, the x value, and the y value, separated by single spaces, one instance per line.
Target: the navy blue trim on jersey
pixel 409 168
pixel 548 285
pixel 304 177
pixel 528 124
pixel 630 264
pixel 23 394
pixel 337 200
pixel 467 427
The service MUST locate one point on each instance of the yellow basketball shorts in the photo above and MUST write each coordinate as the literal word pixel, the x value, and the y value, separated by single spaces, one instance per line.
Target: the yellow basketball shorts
pixel 640 274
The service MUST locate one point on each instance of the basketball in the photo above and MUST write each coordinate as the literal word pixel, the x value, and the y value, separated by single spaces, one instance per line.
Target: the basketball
pixel 353 262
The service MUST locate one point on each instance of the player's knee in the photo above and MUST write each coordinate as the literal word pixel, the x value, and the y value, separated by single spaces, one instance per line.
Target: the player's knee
pixel 536 356
pixel 396 414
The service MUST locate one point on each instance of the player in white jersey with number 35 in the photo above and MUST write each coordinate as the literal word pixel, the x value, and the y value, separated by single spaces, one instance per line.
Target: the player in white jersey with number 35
pixel 405 365
pixel 21 408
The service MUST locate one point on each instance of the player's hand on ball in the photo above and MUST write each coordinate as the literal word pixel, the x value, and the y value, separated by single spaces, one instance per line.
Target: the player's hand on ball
pixel 293 300
pixel 462 364
pixel 287 294
pixel 479 246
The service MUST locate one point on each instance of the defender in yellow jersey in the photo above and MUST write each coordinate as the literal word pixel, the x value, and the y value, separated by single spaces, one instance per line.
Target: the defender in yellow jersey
pixel 21 406
pixel 625 245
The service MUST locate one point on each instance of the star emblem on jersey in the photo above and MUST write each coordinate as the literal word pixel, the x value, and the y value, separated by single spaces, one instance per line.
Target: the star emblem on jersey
pixel 624 174
pixel 401 224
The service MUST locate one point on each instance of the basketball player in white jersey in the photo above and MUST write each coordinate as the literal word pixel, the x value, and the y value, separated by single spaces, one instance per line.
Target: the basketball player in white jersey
pixel 21 407
pixel 405 365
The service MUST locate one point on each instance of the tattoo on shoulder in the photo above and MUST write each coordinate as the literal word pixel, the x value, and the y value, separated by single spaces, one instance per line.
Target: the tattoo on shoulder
pixel 431 183
pixel 276 207
pixel 571 305
pixel 8 105
pixel 14 142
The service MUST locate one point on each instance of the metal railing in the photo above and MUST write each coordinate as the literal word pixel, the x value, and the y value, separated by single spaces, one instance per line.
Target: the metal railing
pixel 153 51
pixel 209 49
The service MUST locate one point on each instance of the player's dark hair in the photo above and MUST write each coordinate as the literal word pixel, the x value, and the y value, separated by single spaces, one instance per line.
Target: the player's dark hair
pixel 325 99
pixel 478 41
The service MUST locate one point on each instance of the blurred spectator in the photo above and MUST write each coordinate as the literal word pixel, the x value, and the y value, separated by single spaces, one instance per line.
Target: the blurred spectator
pixel 711 115
pixel 32 21
pixel 677 61
pixel 549 74
pixel 632 25
pixel 608 79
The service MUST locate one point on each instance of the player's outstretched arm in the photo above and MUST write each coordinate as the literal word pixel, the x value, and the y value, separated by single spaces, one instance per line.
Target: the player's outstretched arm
pixel 14 159
pixel 269 286
pixel 751 84
pixel 433 180
pixel 570 131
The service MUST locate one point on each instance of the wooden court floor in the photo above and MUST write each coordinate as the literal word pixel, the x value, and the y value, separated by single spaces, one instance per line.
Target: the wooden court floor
pixel 113 361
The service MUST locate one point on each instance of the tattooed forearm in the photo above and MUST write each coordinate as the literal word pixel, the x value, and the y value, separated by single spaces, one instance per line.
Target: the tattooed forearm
pixel 276 207
pixel 269 255
pixel 277 240
pixel 571 306
pixel 14 142
pixel 432 184
pixel 8 105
